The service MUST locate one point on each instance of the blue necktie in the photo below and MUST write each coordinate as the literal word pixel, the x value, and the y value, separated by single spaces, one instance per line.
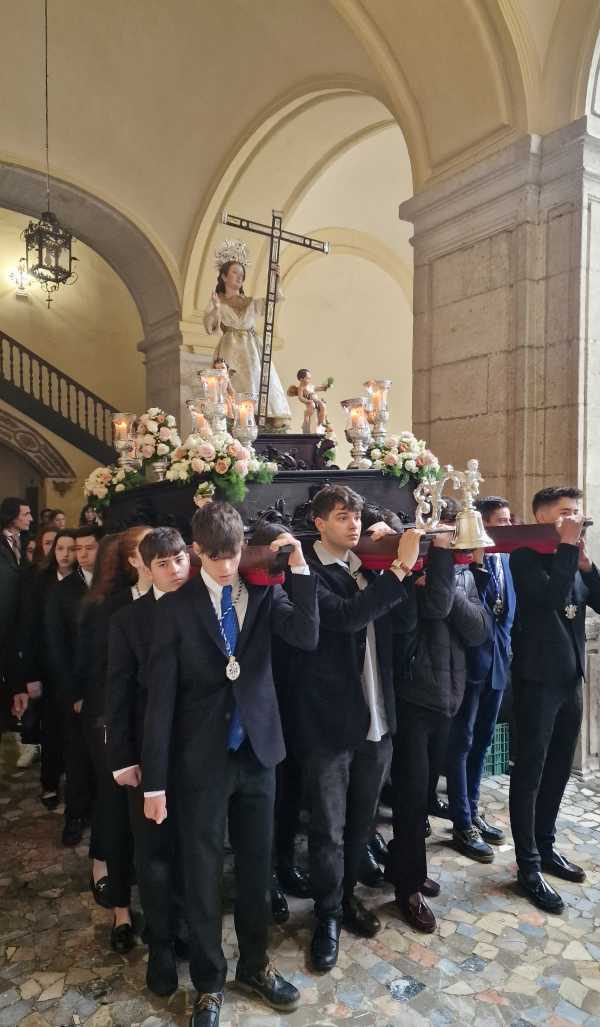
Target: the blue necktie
pixel 229 623
pixel 494 566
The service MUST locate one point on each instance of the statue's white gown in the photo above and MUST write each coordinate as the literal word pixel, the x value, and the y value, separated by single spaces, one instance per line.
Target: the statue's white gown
pixel 240 346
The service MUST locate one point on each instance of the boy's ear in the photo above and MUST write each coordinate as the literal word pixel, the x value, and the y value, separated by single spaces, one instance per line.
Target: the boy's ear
pixel 196 549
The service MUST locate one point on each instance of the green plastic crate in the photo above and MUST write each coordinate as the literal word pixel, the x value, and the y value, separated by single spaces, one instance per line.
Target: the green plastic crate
pixel 496 758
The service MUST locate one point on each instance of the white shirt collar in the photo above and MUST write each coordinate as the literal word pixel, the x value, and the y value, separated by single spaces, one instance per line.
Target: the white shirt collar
pixel 87 576
pixel 350 561
pixel 157 592
pixel 137 592
pixel 61 576
pixel 213 586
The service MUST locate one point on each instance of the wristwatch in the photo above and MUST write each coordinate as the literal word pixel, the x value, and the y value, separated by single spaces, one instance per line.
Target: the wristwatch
pixel 399 565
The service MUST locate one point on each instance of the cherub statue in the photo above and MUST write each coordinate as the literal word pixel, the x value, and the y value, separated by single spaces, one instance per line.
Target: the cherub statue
pixel 315 409
pixel 221 364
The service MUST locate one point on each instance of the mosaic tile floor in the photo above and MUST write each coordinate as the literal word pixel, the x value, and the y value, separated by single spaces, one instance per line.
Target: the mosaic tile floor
pixel 493 960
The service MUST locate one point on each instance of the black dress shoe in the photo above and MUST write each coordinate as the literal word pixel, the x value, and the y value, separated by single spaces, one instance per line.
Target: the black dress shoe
pixel 50 801
pixel 100 889
pixel 378 846
pixel 294 881
pixel 122 939
pixel 325 943
pixel 427 828
pixel 470 843
pixel 207 1009
pixel 369 871
pixel 489 833
pixel 356 917
pixel 73 831
pixel 271 986
pixel 557 865
pixel 161 975
pixel 440 809
pixel 540 892
pixel 279 906
pixel 430 889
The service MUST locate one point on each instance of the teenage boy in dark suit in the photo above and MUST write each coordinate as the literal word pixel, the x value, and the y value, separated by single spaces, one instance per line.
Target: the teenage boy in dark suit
pixel 212 736
pixel 343 712
pixel 61 640
pixel 553 592
pixel 488 669
pixel 132 631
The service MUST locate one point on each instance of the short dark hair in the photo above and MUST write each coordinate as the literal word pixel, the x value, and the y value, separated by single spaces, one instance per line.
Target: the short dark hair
pixel 549 495
pixel 159 543
pixel 331 496
pixel 266 532
pixel 450 511
pixel 372 513
pixel 218 530
pixel 87 531
pixel 488 505
pixel 302 373
pixel 10 509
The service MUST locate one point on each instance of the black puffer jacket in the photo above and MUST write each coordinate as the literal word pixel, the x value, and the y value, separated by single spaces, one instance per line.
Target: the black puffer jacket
pixel 430 647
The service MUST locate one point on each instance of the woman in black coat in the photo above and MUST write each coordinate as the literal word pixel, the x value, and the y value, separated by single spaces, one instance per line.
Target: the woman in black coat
pixel 113 586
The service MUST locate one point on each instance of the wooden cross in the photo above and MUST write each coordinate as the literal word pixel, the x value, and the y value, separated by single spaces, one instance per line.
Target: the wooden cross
pixel 277 235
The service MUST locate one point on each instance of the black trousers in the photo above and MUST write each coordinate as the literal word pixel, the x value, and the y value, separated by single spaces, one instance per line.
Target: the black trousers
pixel 288 804
pixel 53 739
pixel 245 794
pixel 79 788
pixel 343 791
pixel 158 871
pixel 111 831
pixel 419 753
pixel 547 719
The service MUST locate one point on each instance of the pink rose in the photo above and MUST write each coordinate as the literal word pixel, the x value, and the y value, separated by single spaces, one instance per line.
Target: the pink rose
pixel 164 434
pixel 390 459
pixel 429 459
pixel 147 450
pixel 198 465
pixel 235 449
pixel 222 465
pixel 241 466
pixel 160 418
pixel 206 451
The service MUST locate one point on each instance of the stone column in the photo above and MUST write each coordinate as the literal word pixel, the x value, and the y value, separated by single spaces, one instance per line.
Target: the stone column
pixel 173 352
pixel 506 354
pixel 507 314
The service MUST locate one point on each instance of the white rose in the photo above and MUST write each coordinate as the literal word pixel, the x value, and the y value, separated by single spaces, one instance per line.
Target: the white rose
pixel 375 454
pixel 253 466
pixel 162 450
pixel 120 488
pixel 153 411
pixel 364 463
pixel 171 422
pixel 175 439
pixel 410 465
pixel 377 465
pixel 152 426
pixel 101 492
pixel 272 467
pixel 393 441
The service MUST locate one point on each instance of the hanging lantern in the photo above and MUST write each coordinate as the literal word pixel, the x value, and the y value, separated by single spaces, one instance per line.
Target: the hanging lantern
pixel 48 253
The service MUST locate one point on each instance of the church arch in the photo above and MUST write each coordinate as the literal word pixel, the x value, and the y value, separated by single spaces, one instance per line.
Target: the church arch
pixel 107 231
pixel 25 440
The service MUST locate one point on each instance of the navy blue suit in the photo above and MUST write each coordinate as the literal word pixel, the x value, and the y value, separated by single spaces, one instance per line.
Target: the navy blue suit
pixel 488 667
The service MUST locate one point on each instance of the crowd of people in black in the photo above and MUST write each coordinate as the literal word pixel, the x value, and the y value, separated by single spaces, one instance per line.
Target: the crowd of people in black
pixel 178 705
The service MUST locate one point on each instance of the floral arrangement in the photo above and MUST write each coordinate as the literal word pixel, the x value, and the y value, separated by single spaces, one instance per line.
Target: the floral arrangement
pixel 223 462
pixel 330 454
pixel 403 457
pixel 157 435
pixel 104 482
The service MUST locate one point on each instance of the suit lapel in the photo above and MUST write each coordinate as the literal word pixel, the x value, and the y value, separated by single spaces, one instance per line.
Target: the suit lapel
pixel 206 613
pixel 255 596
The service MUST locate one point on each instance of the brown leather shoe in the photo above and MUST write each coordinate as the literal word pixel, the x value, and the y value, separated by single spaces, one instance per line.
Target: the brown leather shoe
pixel 417 913
pixel 430 889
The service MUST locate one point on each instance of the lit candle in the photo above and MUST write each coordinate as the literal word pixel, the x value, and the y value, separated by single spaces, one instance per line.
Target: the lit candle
pixel 245 412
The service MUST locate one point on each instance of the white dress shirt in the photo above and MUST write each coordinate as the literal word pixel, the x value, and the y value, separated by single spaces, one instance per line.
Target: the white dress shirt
pixel 371 679
pixel 87 576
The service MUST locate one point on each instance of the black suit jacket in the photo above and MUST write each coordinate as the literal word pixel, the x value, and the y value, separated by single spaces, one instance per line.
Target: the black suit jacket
pixel 61 627
pixel 327 704
pixel 189 696
pixel 91 657
pixel 130 640
pixel 547 646
pixel 10 577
